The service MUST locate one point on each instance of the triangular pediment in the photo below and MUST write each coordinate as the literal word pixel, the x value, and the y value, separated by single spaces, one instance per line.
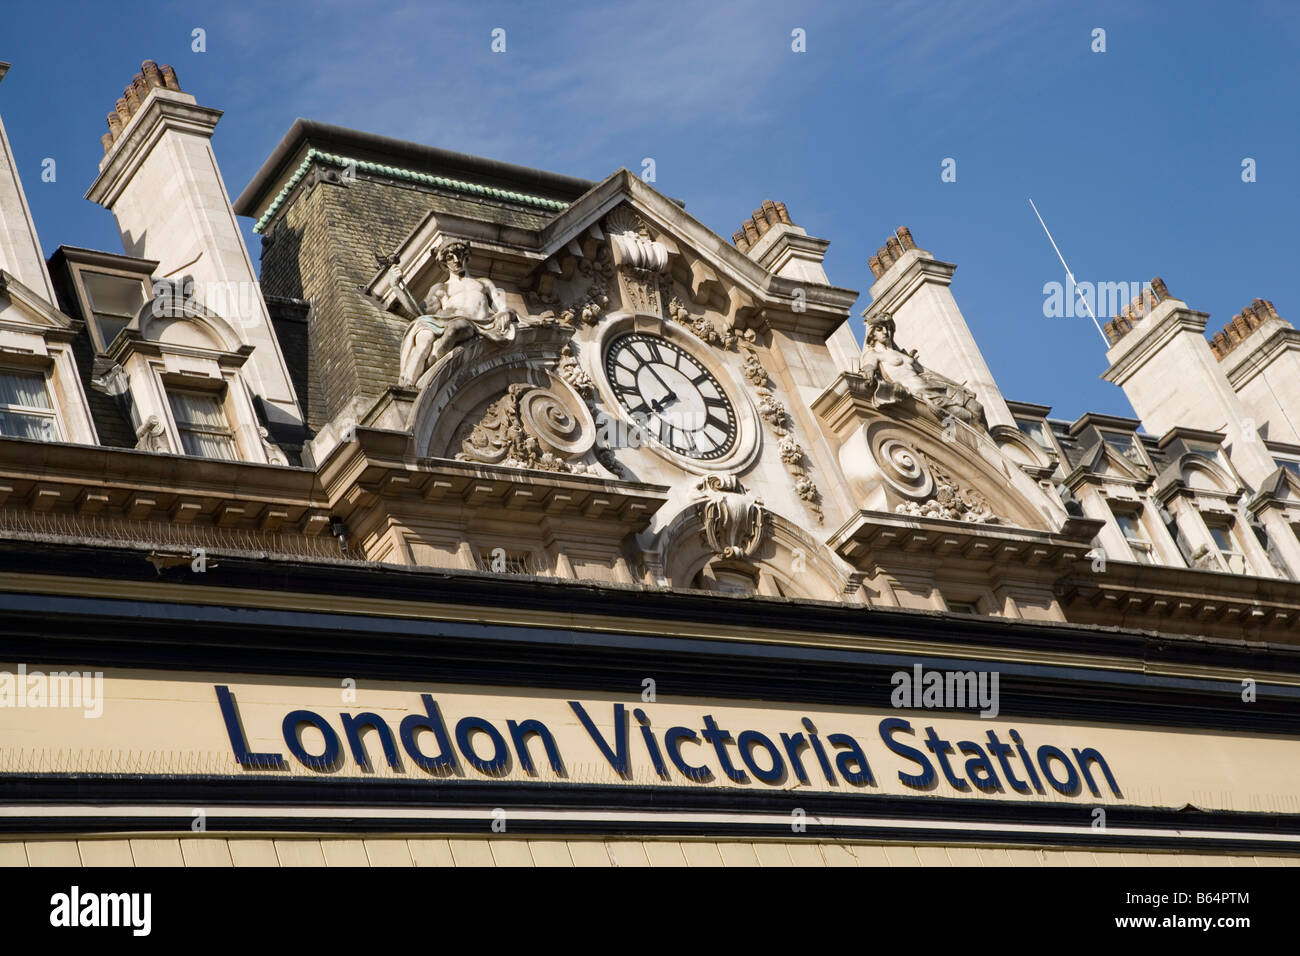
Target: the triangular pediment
pixel 1103 461
pixel 21 305
pixel 708 268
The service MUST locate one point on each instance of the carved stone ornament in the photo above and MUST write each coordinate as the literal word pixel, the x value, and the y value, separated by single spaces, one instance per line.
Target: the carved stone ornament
pixel 944 497
pixel 705 330
pixel 642 263
pixel 274 454
pixel 454 312
pixel 892 373
pixel 774 412
pixel 735 522
pixel 529 427
pixel 152 436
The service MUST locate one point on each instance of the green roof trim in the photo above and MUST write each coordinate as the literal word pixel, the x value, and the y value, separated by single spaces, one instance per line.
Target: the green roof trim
pixel 396 172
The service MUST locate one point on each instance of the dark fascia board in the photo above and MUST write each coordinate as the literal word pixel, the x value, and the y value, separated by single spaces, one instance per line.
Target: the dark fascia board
pixel 1110 422
pixel 357 144
pixel 105 260
pixel 1181 433
pixel 364 580
pixel 1029 409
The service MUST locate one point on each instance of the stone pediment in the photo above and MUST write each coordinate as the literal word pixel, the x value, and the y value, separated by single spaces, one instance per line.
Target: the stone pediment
pixel 540 265
pixel 1103 461
pixel 22 306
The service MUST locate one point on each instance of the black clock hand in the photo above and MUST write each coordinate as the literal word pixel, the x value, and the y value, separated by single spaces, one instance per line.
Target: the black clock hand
pixel 669 396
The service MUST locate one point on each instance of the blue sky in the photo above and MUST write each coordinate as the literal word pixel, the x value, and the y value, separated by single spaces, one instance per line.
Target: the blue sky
pixel 1133 155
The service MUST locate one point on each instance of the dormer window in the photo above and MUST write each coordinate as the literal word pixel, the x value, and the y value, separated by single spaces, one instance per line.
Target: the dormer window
pixel 1211 452
pixel 1130 525
pixel 113 301
pixel 1225 541
pixel 25 407
pixel 1036 431
pixel 201 421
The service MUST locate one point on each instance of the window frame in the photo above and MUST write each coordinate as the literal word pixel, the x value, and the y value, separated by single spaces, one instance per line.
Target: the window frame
pixel 51 413
pixel 1142 548
pixel 219 396
pixel 88 311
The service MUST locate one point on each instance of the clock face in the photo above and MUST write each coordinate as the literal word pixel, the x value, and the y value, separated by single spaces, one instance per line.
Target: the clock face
pixel 675 398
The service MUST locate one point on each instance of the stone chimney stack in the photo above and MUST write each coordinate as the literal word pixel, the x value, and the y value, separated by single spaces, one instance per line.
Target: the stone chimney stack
pixel 160 179
pixel 1259 352
pixel 913 286
pixel 1160 357
pixel 20 249
pixel 779 246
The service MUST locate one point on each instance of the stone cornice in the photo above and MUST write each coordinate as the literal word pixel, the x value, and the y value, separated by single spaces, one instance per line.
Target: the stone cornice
pixel 868 538
pixel 1184 599
pixel 52 484
pixel 165 110
pixel 375 467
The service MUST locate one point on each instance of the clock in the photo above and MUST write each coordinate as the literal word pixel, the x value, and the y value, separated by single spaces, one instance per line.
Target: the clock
pixel 671 395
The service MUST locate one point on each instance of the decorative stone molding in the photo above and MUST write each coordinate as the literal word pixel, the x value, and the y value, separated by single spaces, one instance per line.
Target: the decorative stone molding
pixel 705 330
pixel 642 263
pixel 946 499
pixel 735 522
pixel 773 411
pixel 569 369
pixel 530 427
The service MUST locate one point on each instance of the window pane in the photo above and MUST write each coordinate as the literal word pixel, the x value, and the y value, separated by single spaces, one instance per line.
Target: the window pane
pixel 109 326
pixel 1222 539
pixel 191 408
pixel 23 388
pixel 116 295
pixel 1128 524
pixel 20 425
pixel 1035 431
pixel 207 446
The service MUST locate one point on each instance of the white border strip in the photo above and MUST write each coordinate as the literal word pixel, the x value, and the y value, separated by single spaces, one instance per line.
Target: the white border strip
pixel 625 816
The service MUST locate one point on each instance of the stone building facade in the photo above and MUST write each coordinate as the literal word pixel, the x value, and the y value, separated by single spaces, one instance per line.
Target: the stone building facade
pixel 493 434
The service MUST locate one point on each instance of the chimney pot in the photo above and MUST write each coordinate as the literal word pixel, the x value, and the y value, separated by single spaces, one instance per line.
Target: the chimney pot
pixel 738 237
pixel 905 237
pixel 760 221
pixel 877 268
pixel 783 214
pixel 1161 289
pixel 894 247
pixel 169 78
pixel 751 231
pixel 132 97
pixel 106 141
pixel 152 75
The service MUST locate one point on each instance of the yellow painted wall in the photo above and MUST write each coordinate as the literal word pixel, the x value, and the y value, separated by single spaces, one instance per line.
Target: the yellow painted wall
pixel 502 851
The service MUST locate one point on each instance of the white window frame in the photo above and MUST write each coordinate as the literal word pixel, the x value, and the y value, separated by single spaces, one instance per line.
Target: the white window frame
pixel 52 413
pixel 78 270
pixel 217 395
